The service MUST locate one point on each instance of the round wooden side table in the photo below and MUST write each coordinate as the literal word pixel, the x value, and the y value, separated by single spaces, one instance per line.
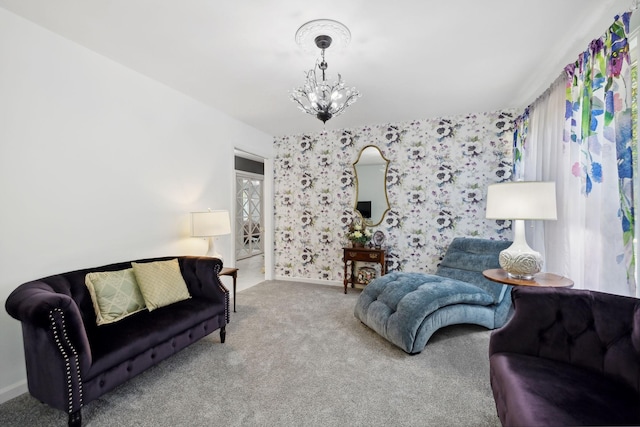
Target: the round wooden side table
pixel 540 279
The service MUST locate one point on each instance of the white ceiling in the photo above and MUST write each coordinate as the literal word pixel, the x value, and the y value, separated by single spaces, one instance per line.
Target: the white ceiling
pixel 409 59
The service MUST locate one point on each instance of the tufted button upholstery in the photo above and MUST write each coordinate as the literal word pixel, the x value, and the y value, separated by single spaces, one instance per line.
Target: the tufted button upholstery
pixel 407 308
pixel 66 351
pixel 584 328
pixel 578 350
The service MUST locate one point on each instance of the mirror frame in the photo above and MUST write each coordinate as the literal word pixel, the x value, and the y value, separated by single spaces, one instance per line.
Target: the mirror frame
pixel 370 223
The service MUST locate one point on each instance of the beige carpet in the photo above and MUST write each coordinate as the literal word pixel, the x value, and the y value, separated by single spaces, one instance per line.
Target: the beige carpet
pixel 296 356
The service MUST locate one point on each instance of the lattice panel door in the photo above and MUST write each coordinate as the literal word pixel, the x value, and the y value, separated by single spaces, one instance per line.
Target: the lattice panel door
pixel 249 202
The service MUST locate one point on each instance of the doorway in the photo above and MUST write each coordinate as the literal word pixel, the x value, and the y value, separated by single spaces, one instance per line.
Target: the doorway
pixel 249 216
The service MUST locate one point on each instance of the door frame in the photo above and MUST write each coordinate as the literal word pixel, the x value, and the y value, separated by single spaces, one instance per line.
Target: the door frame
pixel 268 214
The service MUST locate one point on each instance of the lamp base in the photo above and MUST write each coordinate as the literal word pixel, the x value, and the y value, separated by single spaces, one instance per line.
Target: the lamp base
pixel 520 265
pixel 212 249
pixel 519 260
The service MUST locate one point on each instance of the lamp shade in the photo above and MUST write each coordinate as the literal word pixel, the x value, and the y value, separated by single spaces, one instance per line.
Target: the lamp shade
pixel 212 223
pixel 522 200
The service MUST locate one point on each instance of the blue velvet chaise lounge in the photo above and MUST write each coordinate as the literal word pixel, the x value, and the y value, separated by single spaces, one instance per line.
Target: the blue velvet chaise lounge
pixel 407 308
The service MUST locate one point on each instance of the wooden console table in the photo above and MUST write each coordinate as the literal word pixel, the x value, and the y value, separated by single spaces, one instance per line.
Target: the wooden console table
pixel 362 254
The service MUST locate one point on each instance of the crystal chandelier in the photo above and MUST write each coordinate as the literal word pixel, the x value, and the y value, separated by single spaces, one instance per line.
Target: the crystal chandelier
pixel 320 97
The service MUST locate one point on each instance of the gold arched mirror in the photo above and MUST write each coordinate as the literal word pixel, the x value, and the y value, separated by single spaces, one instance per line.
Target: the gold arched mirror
pixel 371 201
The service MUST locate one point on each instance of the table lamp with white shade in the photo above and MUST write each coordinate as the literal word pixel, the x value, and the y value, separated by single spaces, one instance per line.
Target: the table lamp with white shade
pixel 519 201
pixel 210 224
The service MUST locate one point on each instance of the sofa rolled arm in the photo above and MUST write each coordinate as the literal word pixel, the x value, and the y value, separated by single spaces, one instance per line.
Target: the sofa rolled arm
pixel 33 301
pixel 40 308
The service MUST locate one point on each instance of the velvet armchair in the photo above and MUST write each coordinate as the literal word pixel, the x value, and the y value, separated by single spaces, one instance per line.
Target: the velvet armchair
pixel 567 357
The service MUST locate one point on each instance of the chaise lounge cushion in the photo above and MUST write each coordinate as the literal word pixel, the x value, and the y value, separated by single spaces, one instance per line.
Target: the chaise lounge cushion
pixel 407 308
pixel 397 304
pixel 466 259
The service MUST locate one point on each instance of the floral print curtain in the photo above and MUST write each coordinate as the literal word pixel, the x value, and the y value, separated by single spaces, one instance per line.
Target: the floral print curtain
pixel 598 117
pixel 594 171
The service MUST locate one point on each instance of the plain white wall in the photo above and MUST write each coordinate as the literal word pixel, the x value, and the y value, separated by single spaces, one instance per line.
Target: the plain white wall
pixel 98 164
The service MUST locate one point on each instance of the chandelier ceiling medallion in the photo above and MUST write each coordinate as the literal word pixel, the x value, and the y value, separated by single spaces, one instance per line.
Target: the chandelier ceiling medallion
pixel 319 97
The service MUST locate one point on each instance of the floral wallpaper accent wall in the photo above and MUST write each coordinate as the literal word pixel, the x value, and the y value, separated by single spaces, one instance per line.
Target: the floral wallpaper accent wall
pixel 436 183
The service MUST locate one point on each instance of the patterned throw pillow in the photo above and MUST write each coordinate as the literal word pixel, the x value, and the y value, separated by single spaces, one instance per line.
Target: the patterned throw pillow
pixel 160 282
pixel 115 295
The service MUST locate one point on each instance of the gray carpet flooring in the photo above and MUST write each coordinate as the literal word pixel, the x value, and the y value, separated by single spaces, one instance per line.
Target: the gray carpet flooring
pixel 296 356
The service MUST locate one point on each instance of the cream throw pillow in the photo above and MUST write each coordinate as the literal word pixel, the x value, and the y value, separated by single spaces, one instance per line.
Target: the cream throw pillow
pixel 160 282
pixel 115 295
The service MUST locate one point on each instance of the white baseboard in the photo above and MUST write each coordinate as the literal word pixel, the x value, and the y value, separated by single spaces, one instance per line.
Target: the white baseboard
pixel 315 281
pixel 14 390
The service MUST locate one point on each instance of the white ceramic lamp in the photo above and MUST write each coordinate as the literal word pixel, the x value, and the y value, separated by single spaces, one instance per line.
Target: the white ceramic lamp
pixel 519 201
pixel 210 224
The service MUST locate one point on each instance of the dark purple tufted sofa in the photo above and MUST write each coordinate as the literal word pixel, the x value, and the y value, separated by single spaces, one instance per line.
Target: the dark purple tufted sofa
pixel 71 361
pixel 567 357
